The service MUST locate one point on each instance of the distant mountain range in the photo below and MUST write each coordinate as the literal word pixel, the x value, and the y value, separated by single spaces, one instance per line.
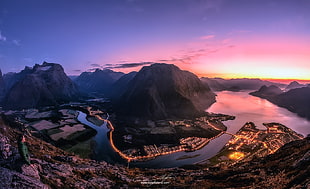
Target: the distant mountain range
pixel 157 91
pixel 219 84
pixel 42 85
pixel 296 100
pixel 294 85
pixel 163 90
pixel 99 81
pixel 267 92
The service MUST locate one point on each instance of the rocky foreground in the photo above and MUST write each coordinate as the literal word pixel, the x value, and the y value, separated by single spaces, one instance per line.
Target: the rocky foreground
pixel 55 168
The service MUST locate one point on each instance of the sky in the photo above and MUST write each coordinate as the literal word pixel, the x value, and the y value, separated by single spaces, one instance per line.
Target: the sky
pixel 213 38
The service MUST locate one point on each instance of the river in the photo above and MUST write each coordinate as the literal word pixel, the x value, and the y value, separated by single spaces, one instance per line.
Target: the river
pixel 240 104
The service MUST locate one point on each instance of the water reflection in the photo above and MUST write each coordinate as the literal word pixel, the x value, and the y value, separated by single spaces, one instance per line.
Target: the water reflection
pixel 240 104
pixel 250 108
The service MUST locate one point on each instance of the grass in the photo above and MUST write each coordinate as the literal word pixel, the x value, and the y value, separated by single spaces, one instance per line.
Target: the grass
pixel 82 149
pixel 67 131
pixel 54 131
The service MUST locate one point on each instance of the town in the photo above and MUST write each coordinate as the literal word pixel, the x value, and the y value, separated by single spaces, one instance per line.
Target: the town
pixel 250 142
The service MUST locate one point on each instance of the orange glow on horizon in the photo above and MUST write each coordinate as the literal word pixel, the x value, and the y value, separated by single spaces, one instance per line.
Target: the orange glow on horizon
pixel 272 79
pixel 282 58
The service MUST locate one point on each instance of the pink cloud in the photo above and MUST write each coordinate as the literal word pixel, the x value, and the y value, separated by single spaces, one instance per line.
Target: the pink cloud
pixel 206 37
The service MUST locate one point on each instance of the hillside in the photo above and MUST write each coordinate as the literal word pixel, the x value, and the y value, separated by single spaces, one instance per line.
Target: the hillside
pixel 163 90
pixel 295 100
pixel 54 168
pixel 267 92
pixel 98 81
pixel 42 85
pixel 2 86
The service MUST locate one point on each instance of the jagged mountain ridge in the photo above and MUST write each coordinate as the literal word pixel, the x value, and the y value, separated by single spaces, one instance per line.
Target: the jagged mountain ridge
pixel 163 90
pixel 99 81
pixel 43 85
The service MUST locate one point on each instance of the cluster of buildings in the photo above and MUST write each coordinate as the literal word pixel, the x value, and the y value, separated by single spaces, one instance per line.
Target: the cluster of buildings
pixel 153 150
pixel 253 141
pixel 193 143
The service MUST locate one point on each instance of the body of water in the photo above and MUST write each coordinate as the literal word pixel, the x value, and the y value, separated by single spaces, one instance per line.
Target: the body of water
pixel 240 104
pixel 250 108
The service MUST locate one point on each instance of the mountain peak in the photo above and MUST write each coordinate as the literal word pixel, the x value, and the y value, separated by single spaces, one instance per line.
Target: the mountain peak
pixel 267 92
pixel 294 85
pixel 162 91
pixel 98 81
pixel 45 84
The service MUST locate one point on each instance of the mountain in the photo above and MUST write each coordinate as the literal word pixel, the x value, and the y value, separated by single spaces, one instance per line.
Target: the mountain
pixel 219 84
pixel 267 92
pixel 296 100
pixel 216 84
pixel 98 81
pixel 2 86
pixel 121 84
pixel 11 78
pixel 73 77
pixel 163 90
pixel 294 85
pixel 42 85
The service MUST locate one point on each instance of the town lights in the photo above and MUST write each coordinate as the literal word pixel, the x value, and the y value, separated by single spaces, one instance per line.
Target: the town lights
pixel 236 156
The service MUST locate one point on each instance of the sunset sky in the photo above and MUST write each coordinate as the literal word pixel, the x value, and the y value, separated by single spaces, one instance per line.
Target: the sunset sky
pixel 214 38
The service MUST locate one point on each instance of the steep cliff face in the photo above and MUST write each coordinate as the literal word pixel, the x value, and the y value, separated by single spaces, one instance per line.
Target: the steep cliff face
pixel 99 81
pixel 162 91
pixel 45 84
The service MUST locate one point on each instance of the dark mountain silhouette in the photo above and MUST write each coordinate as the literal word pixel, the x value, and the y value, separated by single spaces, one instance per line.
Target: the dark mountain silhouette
pixel 219 84
pixel 98 81
pixel 296 100
pixel 163 90
pixel 11 78
pixel 294 85
pixel 267 92
pixel 73 77
pixel 120 85
pixel 42 85
pixel 2 86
